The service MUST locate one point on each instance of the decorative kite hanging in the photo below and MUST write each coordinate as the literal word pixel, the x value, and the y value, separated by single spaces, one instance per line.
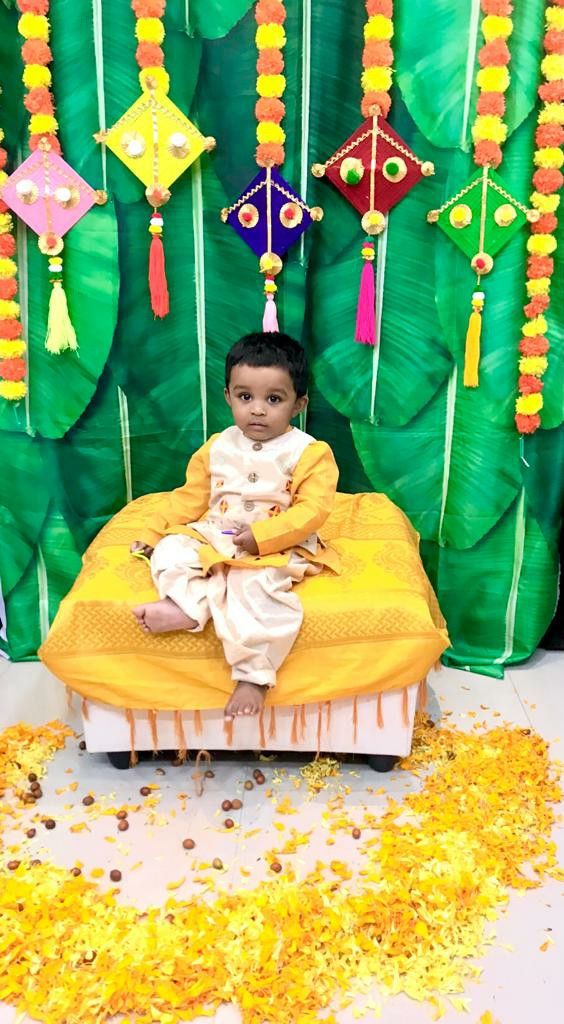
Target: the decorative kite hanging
pixel 12 347
pixel 269 215
pixel 547 182
pixel 374 168
pixel 483 216
pixel 44 191
pixel 154 139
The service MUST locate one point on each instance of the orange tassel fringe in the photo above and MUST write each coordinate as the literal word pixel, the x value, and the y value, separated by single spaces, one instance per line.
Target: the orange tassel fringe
pixel 355 720
pixel 405 706
pixel 302 721
pixel 262 737
pixel 272 724
pixel 228 724
pixel 379 715
pixel 84 709
pixel 198 723
pixel 180 736
pixel 133 759
pixel 152 716
pixel 294 732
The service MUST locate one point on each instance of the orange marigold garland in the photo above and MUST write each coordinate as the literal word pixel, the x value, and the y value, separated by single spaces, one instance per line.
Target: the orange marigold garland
pixel 277 215
pixel 547 182
pixel 483 216
pixel 154 139
pixel 44 190
pixel 374 168
pixel 12 347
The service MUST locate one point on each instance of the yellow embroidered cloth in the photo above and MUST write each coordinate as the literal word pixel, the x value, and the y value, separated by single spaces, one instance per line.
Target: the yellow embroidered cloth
pixel 375 627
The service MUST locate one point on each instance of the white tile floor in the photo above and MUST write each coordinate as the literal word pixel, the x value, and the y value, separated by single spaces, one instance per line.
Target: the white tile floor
pixel 520 987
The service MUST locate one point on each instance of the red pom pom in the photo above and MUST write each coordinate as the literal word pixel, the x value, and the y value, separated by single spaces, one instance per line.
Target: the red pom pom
pixel 494 54
pixel 3 157
pixel 53 141
pixel 7 245
pixel 491 103
pixel 554 41
pixel 378 99
pixel 8 287
pixel 529 385
pixel 487 154
pixel 538 304
pixel 537 346
pixel 384 7
pixel 540 266
pixel 527 424
pixel 377 53
pixel 10 329
pixel 39 101
pixel 148 8
pixel 552 92
pixel 270 62
pixel 549 135
pixel 34 6
pixel 3 207
pixel 269 154
pixel 270 12
pixel 12 369
pixel 269 110
pixel 503 8
pixel 548 180
pixel 545 225
pixel 149 55
pixel 35 51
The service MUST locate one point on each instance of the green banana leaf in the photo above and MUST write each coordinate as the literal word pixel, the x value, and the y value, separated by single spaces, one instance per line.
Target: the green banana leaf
pixel 12 111
pixel 24 499
pixel 212 19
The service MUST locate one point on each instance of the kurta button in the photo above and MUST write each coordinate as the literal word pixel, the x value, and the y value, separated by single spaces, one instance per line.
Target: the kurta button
pixel 249 506
pixel 252 478
pixel 257 447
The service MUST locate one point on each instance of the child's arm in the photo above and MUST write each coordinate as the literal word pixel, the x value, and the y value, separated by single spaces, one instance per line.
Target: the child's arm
pixel 313 494
pixel 186 504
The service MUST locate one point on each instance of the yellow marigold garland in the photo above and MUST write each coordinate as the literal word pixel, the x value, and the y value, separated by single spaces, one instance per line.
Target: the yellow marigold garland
pixel 12 348
pixel 377 57
pixel 489 130
pixel 270 39
pixel 547 183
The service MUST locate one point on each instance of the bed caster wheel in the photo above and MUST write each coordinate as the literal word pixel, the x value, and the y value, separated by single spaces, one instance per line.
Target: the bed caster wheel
pixel 382 762
pixel 119 759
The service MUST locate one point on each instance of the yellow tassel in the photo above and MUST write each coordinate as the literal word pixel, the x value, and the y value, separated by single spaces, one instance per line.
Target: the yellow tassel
pixel 473 334
pixel 60 331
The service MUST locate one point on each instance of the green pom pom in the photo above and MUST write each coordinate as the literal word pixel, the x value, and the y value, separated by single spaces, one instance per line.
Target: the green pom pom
pixel 392 168
pixel 353 177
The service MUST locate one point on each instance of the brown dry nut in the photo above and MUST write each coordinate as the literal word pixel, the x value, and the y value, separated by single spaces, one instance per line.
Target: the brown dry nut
pixel 28 798
pixel 260 779
pixel 145 791
pixel 35 863
pixel 217 864
pixel 123 825
pixel 36 791
pixel 236 804
pixel 248 784
pixel 76 872
pixel 226 805
pixel 256 772
pixel 188 844
pixel 115 875
pixel 13 865
pixel 31 832
pixel 229 823
pixel 121 815
pixel 88 800
pixel 356 833
pixel 32 777
pixel 276 866
pixel 82 745
pixel 49 823
pixel 90 956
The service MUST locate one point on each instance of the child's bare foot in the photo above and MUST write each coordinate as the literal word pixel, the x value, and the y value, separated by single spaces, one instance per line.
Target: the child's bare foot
pixel 162 617
pixel 246 699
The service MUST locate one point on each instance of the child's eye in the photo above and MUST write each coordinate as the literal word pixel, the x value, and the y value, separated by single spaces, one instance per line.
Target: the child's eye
pixel 273 399
pixel 245 397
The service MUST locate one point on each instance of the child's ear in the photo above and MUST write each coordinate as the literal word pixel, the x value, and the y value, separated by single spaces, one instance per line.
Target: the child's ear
pixel 227 396
pixel 301 404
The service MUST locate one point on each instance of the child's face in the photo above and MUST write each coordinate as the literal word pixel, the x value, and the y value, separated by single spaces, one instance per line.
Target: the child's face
pixel 263 400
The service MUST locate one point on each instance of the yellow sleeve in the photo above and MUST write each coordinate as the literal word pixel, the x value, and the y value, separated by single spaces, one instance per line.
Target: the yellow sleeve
pixel 313 495
pixel 186 504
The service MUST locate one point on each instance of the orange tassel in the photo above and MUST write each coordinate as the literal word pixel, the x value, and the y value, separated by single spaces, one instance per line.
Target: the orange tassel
pixel 228 724
pixel 262 737
pixel 198 729
pixel 294 732
pixel 272 723
pixel 379 715
pixel 355 720
pixel 133 759
pixel 152 716
pixel 423 695
pixel 319 710
pixel 158 286
pixel 84 709
pixel 405 707
pixel 302 721
pixel 180 735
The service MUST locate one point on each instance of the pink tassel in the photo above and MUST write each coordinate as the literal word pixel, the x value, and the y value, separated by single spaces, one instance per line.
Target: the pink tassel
pixel 365 313
pixel 270 318
pixel 158 286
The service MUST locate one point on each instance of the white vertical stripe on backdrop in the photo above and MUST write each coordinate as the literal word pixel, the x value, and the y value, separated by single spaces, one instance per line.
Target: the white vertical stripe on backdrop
pixel 449 429
pixel 381 254
pixel 200 286
pixel 125 442
pixel 43 588
pixel 518 553
pixel 23 299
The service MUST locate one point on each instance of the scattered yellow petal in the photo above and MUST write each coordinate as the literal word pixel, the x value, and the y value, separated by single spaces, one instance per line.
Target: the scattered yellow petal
pixel 176 885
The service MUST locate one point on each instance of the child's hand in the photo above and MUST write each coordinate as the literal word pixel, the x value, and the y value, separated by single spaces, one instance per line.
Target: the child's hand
pixel 139 547
pixel 243 538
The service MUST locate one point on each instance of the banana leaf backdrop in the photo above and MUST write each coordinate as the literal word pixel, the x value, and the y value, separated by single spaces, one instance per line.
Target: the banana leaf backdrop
pixel 120 419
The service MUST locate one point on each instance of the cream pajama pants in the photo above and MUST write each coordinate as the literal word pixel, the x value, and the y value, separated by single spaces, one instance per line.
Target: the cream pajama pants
pixel 255 613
